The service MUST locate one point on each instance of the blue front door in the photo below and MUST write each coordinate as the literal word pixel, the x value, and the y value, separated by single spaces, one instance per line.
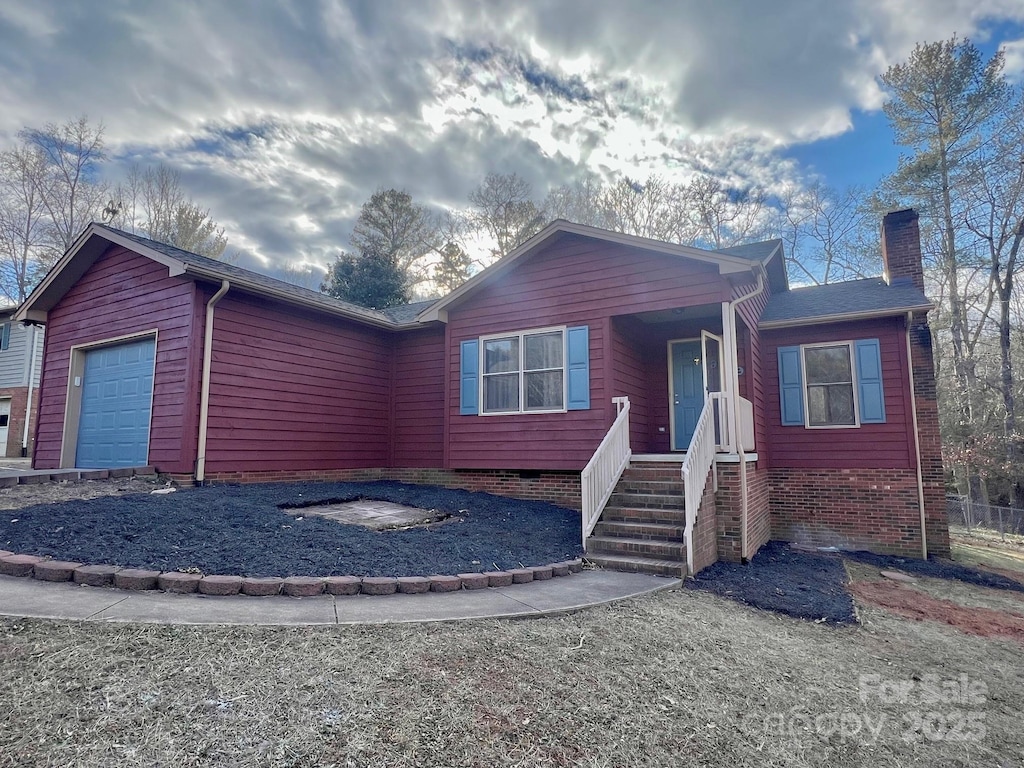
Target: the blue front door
pixel 687 391
pixel 117 394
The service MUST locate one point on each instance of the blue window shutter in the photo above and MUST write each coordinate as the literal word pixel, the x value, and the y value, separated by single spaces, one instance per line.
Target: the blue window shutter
pixel 870 395
pixel 469 387
pixel 5 341
pixel 578 367
pixel 791 386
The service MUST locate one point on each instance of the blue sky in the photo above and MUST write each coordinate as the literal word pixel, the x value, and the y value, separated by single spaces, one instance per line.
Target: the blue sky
pixel 283 117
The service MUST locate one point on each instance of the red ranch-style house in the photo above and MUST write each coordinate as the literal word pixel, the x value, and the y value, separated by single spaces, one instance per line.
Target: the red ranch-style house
pixel 688 402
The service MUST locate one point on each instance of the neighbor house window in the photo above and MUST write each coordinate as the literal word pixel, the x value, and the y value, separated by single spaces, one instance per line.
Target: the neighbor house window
pixel 524 372
pixel 830 397
pixel 832 385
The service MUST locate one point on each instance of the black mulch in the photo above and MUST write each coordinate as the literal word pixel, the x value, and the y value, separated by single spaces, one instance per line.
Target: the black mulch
pixel 239 529
pixel 777 578
pixel 938 569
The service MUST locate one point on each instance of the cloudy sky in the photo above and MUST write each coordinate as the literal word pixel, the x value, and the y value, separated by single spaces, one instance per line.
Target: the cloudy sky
pixel 283 117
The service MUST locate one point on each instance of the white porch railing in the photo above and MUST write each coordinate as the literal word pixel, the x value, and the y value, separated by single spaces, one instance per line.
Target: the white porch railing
pixel 725 440
pixel 602 472
pixel 700 456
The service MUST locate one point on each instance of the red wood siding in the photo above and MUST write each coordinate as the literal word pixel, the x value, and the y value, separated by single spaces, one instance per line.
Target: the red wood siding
pixel 123 293
pixel 888 445
pixel 751 357
pixel 629 374
pixel 417 433
pixel 292 390
pixel 573 281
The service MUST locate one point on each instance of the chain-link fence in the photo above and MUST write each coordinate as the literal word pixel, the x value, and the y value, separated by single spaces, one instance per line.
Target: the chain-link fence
pixel 971 515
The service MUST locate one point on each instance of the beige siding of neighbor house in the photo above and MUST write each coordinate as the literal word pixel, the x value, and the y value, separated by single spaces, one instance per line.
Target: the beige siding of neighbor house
pixel 15 360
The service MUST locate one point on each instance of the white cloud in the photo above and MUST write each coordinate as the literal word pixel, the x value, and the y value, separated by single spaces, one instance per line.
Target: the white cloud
pixel 284 117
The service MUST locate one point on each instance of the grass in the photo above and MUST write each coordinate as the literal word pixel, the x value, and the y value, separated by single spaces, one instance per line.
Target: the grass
pixel 677 678
pixel 980 547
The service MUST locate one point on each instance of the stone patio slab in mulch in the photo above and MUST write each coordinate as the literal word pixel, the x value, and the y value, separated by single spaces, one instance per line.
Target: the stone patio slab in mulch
pixel 374 514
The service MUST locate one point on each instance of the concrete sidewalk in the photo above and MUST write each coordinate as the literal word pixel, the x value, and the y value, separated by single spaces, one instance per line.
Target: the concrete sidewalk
pixel 29 598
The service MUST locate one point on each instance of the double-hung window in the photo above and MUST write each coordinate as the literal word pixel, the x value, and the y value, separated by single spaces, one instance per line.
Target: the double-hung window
pixel 523 372
pixel 830 397
pixel 832 384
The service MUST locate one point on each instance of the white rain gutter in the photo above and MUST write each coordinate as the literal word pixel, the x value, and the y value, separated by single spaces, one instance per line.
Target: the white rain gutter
pixel 917 440
pixel 204 397
pixel 31 375
pixel 735 409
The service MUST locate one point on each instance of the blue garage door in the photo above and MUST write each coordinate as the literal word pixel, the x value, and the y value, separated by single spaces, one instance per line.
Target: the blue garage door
pixel 117 394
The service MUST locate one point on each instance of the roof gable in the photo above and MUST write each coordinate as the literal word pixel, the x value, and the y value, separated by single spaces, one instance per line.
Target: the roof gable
pixel 740 260
pixel 97 238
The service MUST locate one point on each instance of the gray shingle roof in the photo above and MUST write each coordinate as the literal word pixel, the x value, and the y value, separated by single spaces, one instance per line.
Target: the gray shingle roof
pixel 753 251
pixel 406 313
pixel 255 280
pixel 871 296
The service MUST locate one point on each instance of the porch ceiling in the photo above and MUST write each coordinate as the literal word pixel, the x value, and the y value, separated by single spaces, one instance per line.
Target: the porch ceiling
pixel 699 312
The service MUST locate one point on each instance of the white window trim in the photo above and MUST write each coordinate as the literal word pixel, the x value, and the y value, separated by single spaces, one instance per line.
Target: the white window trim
pixel 853 383
pixel 522 379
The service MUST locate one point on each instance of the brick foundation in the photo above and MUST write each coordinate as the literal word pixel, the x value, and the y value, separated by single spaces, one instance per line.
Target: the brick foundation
pixel 728 505
pixel 875 509
pixel 16 426
pixel 705 530
pixel 562 488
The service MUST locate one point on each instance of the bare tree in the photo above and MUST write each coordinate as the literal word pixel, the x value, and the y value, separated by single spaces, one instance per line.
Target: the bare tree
pixel 721 216
pixel 152 203
pixel 829 235
pixel 504 210
pixel 23 220
pixel 71 189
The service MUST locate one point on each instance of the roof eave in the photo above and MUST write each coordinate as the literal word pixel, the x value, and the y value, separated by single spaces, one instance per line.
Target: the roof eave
pixel 843 317
pixel 368 316
pixel 65 273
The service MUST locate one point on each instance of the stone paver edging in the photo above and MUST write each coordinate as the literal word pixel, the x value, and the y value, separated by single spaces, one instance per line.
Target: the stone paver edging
pixel 45 569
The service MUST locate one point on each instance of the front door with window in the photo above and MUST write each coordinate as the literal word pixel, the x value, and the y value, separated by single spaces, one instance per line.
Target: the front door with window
pixel 687 390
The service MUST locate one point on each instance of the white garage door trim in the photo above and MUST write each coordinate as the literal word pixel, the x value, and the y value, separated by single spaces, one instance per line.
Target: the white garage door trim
pixel 73 399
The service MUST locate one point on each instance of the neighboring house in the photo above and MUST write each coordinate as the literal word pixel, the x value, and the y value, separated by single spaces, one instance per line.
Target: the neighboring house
pixel 805 414
pixel 21 358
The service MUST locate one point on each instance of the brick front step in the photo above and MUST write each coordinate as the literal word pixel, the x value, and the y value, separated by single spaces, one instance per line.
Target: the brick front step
pixel 644 516
pixel 647 500
pixel 639 530
pixel 631 564
pixel 654 474
pixel 656 487
pixel 662 550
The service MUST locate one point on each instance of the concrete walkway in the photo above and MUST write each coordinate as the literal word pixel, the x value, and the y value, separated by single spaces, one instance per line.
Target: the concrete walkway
pixel 30 598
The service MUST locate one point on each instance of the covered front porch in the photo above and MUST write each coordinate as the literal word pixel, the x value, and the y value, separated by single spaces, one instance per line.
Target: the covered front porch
pixel 668 364
pixel 680 378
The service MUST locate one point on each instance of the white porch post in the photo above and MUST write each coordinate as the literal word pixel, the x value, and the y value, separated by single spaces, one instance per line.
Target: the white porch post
pixel 730 376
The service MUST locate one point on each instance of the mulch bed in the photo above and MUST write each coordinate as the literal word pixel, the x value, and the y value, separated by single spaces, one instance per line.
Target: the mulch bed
pixel 937 568
pixel 242 530
pixel 777 578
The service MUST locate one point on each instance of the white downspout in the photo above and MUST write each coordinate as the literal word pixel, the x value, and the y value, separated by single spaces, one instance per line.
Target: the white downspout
pixel 204 396
pixel 31 375
pixel 735 409
pixel 917 440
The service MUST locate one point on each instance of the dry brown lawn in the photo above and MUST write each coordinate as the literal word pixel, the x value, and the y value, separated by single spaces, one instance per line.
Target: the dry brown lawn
pixel 678 678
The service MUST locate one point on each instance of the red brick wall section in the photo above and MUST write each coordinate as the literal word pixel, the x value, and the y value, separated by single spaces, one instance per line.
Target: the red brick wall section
pixel 562 488
pixel 16 425
pixel 705 546
pixel 936 523
pixel 729 505
pixel 874 509
pixel 901 247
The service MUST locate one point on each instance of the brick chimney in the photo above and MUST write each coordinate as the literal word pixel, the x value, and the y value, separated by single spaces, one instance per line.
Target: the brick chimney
pixel 901 248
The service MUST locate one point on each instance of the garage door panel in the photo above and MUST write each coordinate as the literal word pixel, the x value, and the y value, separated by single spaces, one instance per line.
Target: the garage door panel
pixel 117 393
